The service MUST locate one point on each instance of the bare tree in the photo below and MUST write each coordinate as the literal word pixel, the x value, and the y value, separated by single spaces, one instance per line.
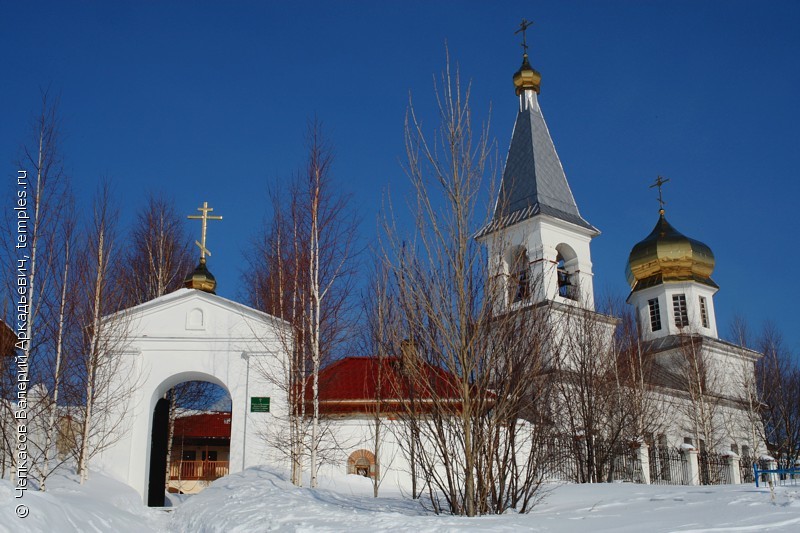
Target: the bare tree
pixel 701 374
pixel 62 327
pixel 748 420
pixel 778 382
pixel 472 371
pixel 302 272
pixel 601 396
pixel 102 376
pixel 158 250
pixel 35 232
pixel 380 315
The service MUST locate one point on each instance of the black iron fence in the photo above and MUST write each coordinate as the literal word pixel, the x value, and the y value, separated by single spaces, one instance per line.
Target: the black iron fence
pixel 713 468
pixel 625 465
pixel 567 460
pixel 746 469
pixel 667 466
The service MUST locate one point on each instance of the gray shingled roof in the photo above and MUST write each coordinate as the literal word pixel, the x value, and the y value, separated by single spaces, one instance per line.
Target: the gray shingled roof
pixel 533 179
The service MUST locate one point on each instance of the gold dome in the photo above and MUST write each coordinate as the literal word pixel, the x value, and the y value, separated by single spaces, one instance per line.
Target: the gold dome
pixel 527 77
pixel 201 279
pixel 668 255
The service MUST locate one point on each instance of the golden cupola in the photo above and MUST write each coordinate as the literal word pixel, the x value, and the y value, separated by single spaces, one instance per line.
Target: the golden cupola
pixel 666 255
pixel 527 77
pixel 201 279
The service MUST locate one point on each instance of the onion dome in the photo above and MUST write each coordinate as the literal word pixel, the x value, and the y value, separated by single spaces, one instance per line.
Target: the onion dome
pixel 667 255
pixel 527 78
pixel 201 279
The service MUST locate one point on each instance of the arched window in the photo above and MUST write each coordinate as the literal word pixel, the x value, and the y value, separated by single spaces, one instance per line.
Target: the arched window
pixel 362 463
pixel 566 272
pixel 519 283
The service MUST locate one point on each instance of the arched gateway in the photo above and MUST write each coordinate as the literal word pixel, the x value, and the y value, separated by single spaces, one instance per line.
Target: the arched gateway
pixel 184 336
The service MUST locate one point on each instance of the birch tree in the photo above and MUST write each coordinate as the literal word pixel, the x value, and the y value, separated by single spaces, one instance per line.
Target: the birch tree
pixel 45 198
pixel 159 249
pixel 303 272
pixel 103 376
pixel 63 327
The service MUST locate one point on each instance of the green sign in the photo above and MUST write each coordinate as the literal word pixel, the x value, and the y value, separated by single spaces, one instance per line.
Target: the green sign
pixel 259 405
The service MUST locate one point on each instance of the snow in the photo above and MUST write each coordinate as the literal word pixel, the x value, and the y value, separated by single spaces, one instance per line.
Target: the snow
pixel 262 499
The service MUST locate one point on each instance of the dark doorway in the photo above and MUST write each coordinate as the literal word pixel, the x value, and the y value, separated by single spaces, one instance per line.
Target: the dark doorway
pixel 158 455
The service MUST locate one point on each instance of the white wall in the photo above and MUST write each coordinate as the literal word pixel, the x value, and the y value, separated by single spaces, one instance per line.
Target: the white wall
pixel 191 335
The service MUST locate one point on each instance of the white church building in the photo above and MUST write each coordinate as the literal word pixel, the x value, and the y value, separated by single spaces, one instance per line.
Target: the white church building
pixel 537 233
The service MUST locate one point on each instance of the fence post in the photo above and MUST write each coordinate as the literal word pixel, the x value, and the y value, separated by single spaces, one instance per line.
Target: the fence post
pixel 692 465
pixel 772 464
pixel 644 462
pixel 734 474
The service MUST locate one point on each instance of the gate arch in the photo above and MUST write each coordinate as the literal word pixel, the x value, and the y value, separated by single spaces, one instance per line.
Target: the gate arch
pixel 236 348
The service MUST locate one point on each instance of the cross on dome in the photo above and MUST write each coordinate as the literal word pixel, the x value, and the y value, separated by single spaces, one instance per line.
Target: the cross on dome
pixel 523 26
pixel 659 183
pixel 205 217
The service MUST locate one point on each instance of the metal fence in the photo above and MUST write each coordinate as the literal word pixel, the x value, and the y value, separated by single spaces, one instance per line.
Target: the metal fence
pixel 566 460
pixel 625 465
pixel 667 466
pixel 746 469
pixel 561 461
pixel 713 468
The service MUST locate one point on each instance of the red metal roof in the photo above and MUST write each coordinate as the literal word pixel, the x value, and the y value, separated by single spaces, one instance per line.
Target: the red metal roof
pixel 356 384
pixel 206 425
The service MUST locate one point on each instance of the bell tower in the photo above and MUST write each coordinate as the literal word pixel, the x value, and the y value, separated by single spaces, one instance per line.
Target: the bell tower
pixel 538 243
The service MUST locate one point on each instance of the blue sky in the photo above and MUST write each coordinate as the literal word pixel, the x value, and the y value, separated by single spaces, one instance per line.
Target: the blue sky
pixel 208 101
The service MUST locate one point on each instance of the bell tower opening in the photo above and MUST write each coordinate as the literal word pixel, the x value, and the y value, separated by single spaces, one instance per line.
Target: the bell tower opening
pixel 519 283
pixel 567 272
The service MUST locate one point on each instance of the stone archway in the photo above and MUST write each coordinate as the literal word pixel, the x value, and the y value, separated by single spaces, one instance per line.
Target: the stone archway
pixel 191 335
pixel 156 459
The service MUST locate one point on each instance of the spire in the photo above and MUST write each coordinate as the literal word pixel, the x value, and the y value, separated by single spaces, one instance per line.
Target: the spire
pixel 533 181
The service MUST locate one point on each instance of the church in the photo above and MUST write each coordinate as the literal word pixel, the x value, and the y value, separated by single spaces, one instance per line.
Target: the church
pixel 537 243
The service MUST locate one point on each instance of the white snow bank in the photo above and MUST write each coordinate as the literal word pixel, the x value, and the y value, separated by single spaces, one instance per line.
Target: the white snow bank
pixel 101 504
pixel 262 499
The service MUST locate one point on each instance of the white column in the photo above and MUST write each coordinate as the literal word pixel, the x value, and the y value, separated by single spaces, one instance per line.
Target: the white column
pixel 644 461
pixel 734 473
pixel 692 465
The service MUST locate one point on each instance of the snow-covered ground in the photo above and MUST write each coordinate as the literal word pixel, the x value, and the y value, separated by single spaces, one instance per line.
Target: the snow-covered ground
pixel 262 499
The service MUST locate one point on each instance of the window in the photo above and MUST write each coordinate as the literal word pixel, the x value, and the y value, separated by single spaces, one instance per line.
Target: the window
pixel 735 449
pixel 688 440
pixel 703 312
pixel 189 455
pixel 745 450
pixel 655 314
pixel 679 308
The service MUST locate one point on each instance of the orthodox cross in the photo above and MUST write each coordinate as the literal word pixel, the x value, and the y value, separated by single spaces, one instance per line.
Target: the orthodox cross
pixel 659 183
pixel 205 217
pixel 524 25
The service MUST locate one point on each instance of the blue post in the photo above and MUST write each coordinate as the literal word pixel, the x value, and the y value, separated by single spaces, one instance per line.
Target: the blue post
pixel 755 472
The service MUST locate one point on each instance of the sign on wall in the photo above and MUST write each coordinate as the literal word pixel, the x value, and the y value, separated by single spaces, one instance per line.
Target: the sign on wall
pixel 259 404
